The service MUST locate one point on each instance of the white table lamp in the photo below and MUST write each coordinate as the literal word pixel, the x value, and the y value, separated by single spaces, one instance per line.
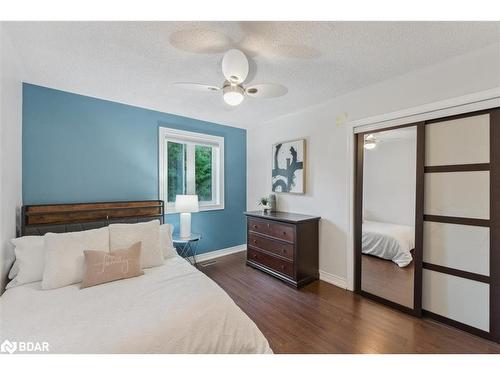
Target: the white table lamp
pixel 185 204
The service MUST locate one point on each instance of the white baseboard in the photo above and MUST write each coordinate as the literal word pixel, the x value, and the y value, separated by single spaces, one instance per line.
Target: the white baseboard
pixel 333 279
pixel 220 253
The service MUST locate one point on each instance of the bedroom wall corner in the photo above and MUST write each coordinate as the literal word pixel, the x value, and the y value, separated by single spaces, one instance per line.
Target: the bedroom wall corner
pixel 10 155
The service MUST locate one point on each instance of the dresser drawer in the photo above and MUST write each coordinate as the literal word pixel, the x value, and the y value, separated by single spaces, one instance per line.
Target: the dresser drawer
pixel 272 246
pixel 277 264
pixel 276 230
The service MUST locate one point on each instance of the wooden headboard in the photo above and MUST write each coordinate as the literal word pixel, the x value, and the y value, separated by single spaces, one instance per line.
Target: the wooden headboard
pixel 60 218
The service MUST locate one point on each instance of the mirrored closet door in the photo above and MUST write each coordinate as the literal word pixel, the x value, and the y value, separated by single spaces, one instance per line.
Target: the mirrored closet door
pixel 389 216
pixel 427 219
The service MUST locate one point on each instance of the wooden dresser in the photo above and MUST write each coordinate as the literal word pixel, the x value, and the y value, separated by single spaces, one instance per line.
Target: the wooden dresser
pixel 284 245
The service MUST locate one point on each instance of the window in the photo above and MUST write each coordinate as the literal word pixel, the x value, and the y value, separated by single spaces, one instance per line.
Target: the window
pixel 191 163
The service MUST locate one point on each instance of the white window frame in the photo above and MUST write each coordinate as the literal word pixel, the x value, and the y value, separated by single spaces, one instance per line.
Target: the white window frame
pixel 192 139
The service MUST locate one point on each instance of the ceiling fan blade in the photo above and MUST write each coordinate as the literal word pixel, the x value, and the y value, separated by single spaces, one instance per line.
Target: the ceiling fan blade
pixel 235 66
pixel 266 90
pixel 196 86
pixel 200 40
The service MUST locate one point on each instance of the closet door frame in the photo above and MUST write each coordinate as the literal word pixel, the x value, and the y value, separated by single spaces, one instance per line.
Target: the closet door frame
pixel 419 215
pixel 493 223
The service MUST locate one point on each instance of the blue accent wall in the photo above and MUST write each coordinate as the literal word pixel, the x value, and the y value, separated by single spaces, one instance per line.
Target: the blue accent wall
pixel 82 149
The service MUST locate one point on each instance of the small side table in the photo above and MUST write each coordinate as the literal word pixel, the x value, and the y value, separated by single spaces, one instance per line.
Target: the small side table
pixel 187 247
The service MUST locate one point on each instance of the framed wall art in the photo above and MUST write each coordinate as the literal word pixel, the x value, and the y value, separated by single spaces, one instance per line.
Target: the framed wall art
pixel 288 167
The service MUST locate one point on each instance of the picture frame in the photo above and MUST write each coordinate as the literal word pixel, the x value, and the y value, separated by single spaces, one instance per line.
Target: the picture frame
pixel 288 169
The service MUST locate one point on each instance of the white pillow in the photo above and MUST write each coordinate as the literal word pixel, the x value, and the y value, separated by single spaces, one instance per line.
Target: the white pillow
pixel 166 244
pixel 14 270
pixel 64 262
pixel 122 236
pixel 30 260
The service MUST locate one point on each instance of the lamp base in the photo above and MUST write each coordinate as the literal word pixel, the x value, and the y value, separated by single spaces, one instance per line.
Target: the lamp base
pixel 185 230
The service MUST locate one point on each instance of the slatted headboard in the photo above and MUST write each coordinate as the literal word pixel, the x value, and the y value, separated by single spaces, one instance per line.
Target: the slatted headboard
pixel 60 218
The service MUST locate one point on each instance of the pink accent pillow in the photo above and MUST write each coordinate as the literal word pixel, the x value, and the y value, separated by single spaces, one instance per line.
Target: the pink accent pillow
pixel 105 266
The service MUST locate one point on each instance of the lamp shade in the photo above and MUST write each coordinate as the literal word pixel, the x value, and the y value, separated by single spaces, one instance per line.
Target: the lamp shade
pixel 186 203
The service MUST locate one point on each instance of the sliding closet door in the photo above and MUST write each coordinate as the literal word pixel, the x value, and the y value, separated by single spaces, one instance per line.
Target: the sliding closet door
pixel 461 248
pixel 389 207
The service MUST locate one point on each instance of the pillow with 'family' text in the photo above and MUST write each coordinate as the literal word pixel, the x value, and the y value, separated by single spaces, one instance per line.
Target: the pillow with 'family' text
pixel 106 266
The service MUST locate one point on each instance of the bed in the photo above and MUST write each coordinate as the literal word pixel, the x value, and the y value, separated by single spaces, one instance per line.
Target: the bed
pixel 172 308
pixel 388 241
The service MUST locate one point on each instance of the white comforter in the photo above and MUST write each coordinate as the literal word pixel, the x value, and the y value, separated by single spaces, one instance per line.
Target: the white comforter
pixel 388 241
pixel 173 308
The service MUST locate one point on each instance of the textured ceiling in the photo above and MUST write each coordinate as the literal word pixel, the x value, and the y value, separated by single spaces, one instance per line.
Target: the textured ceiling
pixel 137 62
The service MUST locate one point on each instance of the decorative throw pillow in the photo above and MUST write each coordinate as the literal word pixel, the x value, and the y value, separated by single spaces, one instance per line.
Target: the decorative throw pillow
pixel 103 266
pixel 64 261
pixel 166 244
pixel 122 236
pixel 30 260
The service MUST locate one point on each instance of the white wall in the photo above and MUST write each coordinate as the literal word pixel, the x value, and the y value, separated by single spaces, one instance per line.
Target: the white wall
pixel 328 167
pixel 10 153
pixel 389 182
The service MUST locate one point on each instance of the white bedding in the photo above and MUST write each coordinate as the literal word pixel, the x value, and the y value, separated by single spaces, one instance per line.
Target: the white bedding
pixel 173 308
pixel 388 241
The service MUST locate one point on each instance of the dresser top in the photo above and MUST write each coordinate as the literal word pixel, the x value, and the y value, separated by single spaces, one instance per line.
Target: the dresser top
pixel 288 217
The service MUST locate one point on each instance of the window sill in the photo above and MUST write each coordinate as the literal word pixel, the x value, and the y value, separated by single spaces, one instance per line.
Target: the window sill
pixel 213 207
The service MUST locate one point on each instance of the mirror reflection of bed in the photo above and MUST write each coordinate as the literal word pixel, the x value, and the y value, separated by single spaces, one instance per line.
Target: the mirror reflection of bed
pixel 388 229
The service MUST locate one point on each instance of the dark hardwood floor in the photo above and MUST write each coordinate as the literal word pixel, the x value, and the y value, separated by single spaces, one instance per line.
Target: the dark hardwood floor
pixel 321 318
pixel 385 279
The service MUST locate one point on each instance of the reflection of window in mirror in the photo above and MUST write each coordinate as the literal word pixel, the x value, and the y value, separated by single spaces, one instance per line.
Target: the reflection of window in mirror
pixel 388 229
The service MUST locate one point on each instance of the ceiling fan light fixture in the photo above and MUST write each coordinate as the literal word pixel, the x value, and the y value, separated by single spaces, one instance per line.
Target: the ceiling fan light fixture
pixel 235 71
pixel 370 144
pixel 233 94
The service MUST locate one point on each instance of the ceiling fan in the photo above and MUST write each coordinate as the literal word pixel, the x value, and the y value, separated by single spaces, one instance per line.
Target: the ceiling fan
pixel 235 70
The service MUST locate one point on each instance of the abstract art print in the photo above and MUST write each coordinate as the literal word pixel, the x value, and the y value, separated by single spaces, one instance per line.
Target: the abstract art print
pixel 288 167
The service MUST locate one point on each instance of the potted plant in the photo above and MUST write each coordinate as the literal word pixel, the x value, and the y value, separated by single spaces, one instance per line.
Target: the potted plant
pixel 264 202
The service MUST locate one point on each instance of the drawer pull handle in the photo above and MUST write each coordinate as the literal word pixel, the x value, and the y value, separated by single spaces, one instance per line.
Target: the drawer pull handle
pixel 268 225
pixel 255 225
pixel 284 233
pixel 282 267
pixel 283 251
pixel 254 241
